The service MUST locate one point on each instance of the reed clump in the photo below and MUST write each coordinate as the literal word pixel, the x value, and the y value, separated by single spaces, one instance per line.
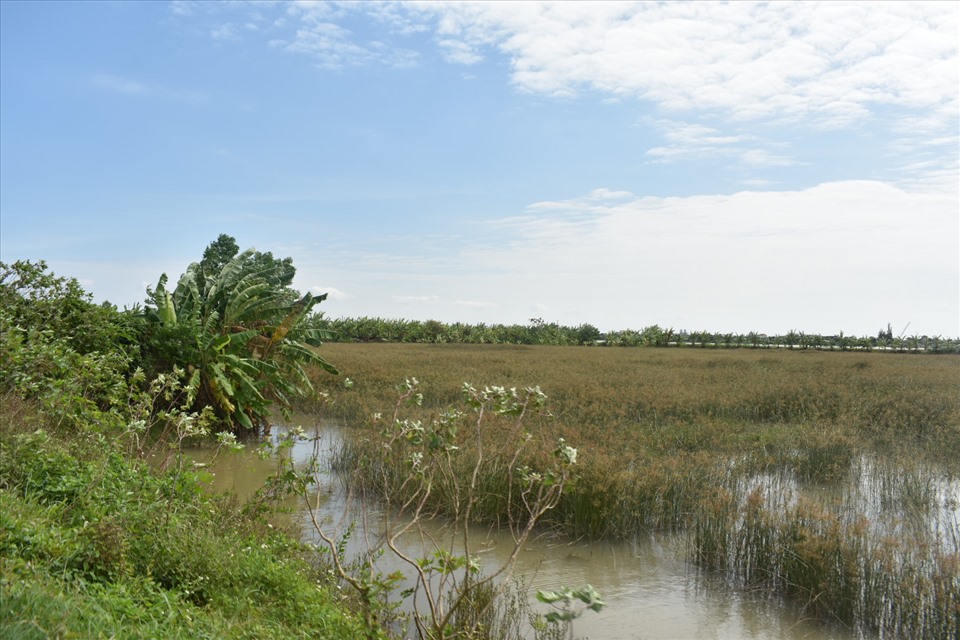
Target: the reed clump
pixel 821 476
pixel 837 568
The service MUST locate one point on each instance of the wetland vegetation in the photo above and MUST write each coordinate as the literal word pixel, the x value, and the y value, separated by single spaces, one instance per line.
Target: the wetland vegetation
pixel 829 478
pixel 825 475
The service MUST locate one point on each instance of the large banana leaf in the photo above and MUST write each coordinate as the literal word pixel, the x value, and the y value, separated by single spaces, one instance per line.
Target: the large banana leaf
pixel 186 296
pixel 316 337
pixel 296 314
pixel 250 302
pixel 227 279
pixel 220 387
pixel 166 310
pixel 301 353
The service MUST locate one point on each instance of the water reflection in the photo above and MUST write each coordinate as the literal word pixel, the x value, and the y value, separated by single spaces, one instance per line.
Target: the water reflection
pixel 651 592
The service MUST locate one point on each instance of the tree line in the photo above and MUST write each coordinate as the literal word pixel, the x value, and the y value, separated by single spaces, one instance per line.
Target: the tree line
pixel 539 332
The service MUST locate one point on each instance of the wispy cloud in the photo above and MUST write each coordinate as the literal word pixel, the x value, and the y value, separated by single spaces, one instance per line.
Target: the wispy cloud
pixel 129 86
pixel 597 201
pixel 715 67
pixel 830 64
pixel 459 52
pixel 225 32
pixel 827 63
pixel 694 141
pixel 181 7
pixel 333 46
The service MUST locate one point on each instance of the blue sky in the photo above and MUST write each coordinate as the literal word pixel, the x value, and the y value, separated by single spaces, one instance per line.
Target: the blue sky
pixel 729 167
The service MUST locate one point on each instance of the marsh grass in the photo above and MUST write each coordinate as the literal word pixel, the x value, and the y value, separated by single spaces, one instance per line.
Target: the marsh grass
pixel 837 567
pixel 827 477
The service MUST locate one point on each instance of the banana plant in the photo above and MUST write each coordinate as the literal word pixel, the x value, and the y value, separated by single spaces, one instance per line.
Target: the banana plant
pixel 252 350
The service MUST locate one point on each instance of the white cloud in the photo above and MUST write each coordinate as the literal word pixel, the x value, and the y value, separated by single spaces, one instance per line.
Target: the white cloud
pixel 828 64
pixel 838 256
pixel 609 194
pixel 333 46
pixel 225 32
pixel 825 62
pixel 760 157
pixel 843 256
pixel 597 201
pixel 459 52
pixel 693 141
pixel 181 7
pixel 756 183
pixel 332 292
pixel 850 256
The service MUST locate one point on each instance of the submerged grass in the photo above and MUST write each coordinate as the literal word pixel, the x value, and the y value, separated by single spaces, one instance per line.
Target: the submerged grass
pixel 824 476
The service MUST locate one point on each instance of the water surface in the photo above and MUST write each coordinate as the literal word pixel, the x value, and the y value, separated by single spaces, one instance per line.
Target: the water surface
pixel 651 591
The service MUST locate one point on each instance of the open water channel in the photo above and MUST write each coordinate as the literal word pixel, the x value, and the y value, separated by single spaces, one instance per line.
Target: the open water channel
pixel 650 590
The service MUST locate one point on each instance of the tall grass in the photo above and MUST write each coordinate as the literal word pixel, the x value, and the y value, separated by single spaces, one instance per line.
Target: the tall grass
pixel 821 476
pixel 95 545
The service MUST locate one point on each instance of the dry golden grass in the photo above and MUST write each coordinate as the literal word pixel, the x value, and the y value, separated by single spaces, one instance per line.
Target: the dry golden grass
pixel 640 402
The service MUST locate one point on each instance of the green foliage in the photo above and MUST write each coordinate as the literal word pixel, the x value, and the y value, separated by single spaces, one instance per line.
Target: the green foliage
pixel 60 349
pixel 34 300
pixel 94 545
pixel 588 334
pixel 565 600
pixel 237 327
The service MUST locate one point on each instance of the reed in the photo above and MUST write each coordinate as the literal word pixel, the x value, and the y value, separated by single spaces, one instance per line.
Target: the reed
pixel 822 476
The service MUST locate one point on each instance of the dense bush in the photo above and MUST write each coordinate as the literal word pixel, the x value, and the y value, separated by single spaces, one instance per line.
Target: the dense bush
pixel 95 545
pixel 34 302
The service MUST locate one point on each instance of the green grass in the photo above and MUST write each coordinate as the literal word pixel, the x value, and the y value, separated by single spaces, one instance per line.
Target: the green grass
pixel 96 545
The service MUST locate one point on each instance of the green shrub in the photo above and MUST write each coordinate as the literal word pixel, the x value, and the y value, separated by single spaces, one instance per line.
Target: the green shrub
pixel 94 544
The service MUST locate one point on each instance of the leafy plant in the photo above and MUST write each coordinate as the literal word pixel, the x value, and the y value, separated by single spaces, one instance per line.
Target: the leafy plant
pixel 237 327
pixel 60 349
pixel 423 470
pixel 565 600
pixel 34 299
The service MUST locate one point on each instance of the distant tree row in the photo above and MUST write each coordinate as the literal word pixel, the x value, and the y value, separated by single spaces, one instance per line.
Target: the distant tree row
pixel 537 331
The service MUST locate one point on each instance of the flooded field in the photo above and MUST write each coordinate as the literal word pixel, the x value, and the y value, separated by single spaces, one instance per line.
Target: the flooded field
pixel 650 588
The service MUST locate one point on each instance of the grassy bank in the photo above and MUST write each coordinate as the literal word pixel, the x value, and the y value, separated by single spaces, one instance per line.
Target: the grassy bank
pixel 95 544
pixel 824 476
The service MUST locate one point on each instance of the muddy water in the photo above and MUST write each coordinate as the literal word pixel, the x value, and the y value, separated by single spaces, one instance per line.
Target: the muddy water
pixel 650 591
